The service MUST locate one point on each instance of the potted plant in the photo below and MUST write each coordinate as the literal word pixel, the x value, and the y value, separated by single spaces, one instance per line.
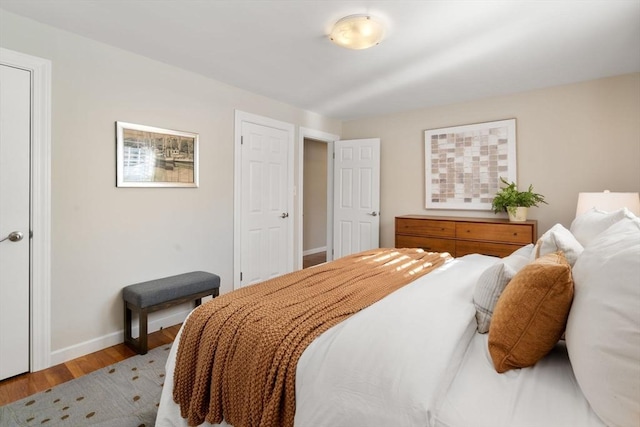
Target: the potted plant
pixel 515 202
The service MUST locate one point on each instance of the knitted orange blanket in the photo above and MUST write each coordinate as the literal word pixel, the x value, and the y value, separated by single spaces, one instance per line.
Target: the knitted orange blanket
pixel 238 353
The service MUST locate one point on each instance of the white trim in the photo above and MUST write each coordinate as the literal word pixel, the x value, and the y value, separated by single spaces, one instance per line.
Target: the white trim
pixel 40 202
pixel 240 117
pixel 100 343
pixel 328 138
pixel 314 251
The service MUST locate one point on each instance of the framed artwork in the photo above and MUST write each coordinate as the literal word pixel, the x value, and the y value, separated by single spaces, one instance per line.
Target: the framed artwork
pixel 463 164
pixel 147 156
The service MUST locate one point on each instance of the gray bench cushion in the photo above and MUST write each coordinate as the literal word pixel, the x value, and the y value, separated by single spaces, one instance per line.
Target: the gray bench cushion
pixel 147 294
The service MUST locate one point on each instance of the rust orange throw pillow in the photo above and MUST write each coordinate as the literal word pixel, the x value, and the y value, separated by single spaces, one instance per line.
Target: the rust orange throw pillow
pixel 531 314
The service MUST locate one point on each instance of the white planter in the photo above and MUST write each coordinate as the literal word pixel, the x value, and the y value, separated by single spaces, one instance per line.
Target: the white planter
pixel 517 214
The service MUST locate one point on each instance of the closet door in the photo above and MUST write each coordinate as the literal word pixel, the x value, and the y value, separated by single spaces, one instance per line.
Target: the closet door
pixel 15 142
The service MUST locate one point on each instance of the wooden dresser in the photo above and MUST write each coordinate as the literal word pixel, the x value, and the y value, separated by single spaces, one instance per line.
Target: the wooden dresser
pixel 461 236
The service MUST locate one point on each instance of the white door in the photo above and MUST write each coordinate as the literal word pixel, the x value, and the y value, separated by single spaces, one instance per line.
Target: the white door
pixel 266 221
pixel 356 218
pixel 15 114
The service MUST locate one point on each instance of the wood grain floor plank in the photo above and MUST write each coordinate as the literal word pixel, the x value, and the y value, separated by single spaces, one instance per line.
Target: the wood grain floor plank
pixel 50 377
pixel 314 259
pixel 24 385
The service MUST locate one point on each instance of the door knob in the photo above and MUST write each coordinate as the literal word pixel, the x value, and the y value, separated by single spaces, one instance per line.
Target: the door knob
pixel 14 236
pixel 374 213
pixel 284 215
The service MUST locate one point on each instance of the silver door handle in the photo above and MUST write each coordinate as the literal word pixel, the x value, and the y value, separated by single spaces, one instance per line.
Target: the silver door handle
pixel 284 215
pixel 374 213
pixel 14 236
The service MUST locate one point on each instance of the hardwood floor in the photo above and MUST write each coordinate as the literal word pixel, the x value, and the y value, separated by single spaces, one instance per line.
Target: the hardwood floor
pixel 24 385
pixel 314 259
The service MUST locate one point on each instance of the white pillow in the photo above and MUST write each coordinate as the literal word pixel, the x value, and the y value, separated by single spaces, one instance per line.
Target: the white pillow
pixel 520 257
pixel 603 329
pixel 586 226
pixel 490 285
pixel 558 238
pixel 492 282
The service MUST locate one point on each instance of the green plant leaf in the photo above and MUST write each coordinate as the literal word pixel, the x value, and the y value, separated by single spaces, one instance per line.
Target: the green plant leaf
pixel 509 196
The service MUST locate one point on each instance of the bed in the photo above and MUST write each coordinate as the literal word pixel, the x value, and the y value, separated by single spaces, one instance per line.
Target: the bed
pixel 417 356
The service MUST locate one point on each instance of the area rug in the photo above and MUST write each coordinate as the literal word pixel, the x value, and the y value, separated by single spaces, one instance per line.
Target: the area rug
pixel 124 394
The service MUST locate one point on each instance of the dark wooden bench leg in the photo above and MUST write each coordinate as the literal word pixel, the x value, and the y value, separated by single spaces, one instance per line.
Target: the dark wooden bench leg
pixel 142 338
pixel 140 344
pixel 214 294
pixel 128 338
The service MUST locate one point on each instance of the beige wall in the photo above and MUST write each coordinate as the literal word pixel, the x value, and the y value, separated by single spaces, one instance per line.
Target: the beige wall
pixel 315 195
pixel 579 137
pixel 104 237
pixel 583 137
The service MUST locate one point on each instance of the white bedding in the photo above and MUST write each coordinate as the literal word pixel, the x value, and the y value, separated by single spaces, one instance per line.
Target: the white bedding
pixel 417 330
pixel 407 339
pixel 392 363
pixel 545 394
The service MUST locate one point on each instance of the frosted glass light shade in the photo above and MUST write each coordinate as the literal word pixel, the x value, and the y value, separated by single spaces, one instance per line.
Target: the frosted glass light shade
pixel 608 202
pixel 357 32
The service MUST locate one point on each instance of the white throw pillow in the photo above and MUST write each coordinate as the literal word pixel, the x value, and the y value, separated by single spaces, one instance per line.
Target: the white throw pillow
pixel 586 226
pixel 492 282
pixel 490 285
pixel 558 238
pixel 520 257
pixel 603 329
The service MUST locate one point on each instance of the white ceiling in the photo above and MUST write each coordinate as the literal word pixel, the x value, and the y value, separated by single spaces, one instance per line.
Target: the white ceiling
pixel 435 52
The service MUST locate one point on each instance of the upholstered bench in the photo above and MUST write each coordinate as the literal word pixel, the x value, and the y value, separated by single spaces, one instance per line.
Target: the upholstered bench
pixel 147 297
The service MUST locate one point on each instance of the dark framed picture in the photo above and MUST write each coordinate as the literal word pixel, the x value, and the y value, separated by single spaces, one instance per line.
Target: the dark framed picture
pixel 148 156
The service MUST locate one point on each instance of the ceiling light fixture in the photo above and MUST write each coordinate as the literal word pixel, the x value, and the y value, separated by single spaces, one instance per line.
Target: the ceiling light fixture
pixel 357 32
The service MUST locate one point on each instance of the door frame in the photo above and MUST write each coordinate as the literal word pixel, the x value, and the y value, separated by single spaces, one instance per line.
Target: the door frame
pixel 329 139
pixel 40 220
pixel 240 117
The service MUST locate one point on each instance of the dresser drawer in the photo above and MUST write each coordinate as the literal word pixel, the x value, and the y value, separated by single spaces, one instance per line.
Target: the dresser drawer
pixel 423 227
pixel 462 236
pixel 427 243
pixel 508 233
pixel 466 247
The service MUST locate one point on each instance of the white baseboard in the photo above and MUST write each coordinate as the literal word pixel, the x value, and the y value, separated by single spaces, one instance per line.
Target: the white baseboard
pixel 314 251
pixel 100 343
